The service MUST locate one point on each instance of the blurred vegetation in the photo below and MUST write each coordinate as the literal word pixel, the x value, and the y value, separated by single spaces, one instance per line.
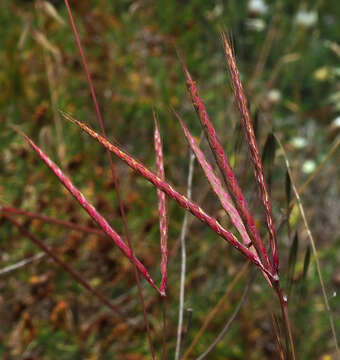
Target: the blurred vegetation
pixel 288 53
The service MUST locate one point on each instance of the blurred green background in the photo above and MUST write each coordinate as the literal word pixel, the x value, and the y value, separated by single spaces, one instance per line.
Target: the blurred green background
pixel 288 53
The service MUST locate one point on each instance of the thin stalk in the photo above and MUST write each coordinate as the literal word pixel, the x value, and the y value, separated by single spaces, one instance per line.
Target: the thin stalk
pixel 53 90
pixel 216 309
pixel 52 85
pixel 228 324
pixel 21 264
pixel 283 218
pixel 314 250
pixel 272 34
pixel 316 172
pixel 286 321
pixel 276 328
pixel 113 171
pixel 183 260
pixel 164 306
pixel 50 220
pixel 79 278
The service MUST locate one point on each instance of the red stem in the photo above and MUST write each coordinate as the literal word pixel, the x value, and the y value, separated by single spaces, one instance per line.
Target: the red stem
pixel 286 321
pixel 78 277
pixel 51 220
pixel 114 175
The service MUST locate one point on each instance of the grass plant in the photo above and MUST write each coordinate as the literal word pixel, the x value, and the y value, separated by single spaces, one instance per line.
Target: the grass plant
pixel 259 250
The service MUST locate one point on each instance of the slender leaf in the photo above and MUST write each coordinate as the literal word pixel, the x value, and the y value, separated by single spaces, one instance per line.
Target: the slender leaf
pixel 268 157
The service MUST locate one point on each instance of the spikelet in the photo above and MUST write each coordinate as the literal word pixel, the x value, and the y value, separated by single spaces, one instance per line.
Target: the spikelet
pixel 224 166
pixel 216 185
pixel 162 207
pixel 253 149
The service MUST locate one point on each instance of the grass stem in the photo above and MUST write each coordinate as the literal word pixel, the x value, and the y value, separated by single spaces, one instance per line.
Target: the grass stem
pixel 228 324
pixel 183 260
pixel 75 275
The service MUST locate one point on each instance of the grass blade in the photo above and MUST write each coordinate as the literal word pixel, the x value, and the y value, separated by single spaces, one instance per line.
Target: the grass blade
pixel 306 263
pixel 303 283
pixel 292 262
pixel 288 189
pixel 268 157
pixel 293 255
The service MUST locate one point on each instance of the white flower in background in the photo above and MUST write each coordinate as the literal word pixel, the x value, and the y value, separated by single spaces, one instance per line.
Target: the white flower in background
pixel 299 142
pixel 335 100
pixel 256 24
pixel 306 18
pixel 336 122
pixel 274 96
pixel 215 12
pixel 308 166
pixel 257 7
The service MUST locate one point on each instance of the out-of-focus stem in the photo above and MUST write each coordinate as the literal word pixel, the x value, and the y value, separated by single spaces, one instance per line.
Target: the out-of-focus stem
pixel 20 264
pixel 285 317
pixel 228 324
pixel 50 220
pixel 76 276
pixel 183 260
